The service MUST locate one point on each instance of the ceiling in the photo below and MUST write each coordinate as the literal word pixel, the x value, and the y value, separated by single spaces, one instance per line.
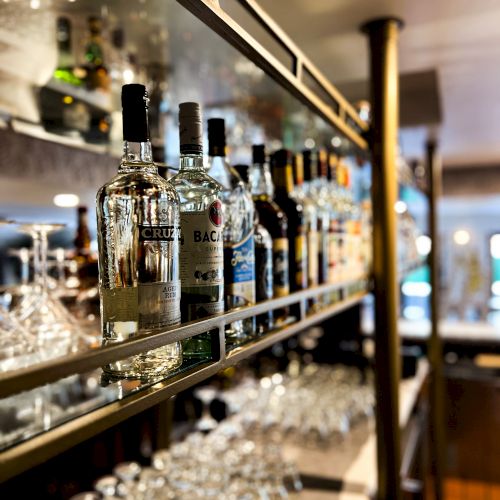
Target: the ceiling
pixel 459 39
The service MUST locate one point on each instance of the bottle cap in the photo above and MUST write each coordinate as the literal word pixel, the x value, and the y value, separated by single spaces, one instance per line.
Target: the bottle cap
pixel 135 113
pixel 242 172
pixel 259 154
pixel 282 158
pixel 216 137
pixel 190 131
pixel 322 163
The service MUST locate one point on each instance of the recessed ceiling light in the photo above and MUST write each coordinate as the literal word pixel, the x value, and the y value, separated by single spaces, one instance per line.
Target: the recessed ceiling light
pixel 66 200
pixel 461 237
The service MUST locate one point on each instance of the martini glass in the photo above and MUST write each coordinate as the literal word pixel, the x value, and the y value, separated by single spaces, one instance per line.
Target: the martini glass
pixel 40 311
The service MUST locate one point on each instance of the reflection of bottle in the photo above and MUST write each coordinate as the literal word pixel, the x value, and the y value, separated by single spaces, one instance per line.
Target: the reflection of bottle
pixel 87 265
pixel 201 252
pixel 138 235
pixel 97 73
pixel 65 56
pixel 274 220
pixel 239 250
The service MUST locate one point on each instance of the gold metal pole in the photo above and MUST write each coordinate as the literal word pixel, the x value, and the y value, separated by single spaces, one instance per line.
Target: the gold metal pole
pixel 383 35
pixel 435 349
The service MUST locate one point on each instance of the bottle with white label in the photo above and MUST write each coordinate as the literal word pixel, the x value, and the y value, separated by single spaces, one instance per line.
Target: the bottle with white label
pixel 138 229
pixel 239 249
pixel 202 245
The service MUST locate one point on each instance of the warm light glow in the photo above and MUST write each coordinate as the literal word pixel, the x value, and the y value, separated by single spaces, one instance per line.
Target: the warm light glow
pixel 424 245
pixel 336 141
pixel 400 207
pixel 128 76
pixel 265 382
pixel 461 237
pixel 416 289
pixel 67 99
pixel 309 143
pixel 35 4
pixel 66 200
pixel 495 246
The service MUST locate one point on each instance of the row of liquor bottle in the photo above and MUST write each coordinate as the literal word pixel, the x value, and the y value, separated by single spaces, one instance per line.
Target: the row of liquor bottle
pixel 211 239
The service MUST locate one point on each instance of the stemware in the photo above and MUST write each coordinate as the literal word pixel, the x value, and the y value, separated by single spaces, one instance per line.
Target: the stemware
pixel 39 311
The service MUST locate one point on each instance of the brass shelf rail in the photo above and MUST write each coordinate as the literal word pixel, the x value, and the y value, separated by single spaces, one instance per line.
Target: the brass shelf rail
pixel 48 444
pixel 338 112
pixel 50 371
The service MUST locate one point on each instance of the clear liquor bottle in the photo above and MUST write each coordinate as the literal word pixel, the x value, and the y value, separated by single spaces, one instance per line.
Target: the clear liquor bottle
pixel 317 189
pixel 334 247
pixel 201 252
pixel 239 249
pixel 263 262
pixel 138 238
pixel 273 218
pixel 305 169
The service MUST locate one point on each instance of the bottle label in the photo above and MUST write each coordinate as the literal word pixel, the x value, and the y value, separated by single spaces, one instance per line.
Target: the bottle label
pixel 239 272
pixel 281 282
pixel 119 304
pixel 159 304
pixel 153 305
pixel 312 258
pixel 300 261
pixel 199 311
pixel 263 273
pixel 159 233
pixel 201 253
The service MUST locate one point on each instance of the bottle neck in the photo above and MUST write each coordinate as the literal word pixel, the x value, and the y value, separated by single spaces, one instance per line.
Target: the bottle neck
pixel 261 182
pixel 192 162
pixel 283 180
pixel 137 156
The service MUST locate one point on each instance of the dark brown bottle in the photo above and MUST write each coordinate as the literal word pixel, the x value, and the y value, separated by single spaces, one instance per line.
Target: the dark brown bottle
pixel 87 264
pixel 281 167
pixel 274 220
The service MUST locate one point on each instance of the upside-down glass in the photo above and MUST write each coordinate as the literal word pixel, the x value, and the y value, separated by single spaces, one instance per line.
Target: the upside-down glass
pixel 55 331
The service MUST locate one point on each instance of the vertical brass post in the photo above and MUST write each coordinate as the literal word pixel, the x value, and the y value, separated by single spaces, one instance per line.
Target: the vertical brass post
pixel 435 349
pixel 383 37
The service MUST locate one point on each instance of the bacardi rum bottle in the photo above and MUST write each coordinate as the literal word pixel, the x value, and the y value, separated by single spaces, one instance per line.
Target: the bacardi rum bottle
pixel 202 244
pixel 138 235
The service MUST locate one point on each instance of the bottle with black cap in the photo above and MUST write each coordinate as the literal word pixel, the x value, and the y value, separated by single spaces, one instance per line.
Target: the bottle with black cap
pixel 138 232
pixel 239 249
pixel 201 252
pixel 273 218
pixel 297 240
pixel 263 262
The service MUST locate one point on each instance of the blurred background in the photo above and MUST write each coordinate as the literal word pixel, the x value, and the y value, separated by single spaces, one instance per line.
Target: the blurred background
pixel 62 65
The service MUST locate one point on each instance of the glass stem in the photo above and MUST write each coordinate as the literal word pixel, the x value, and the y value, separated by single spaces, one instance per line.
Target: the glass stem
pixel 37 271
pixel 43 262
